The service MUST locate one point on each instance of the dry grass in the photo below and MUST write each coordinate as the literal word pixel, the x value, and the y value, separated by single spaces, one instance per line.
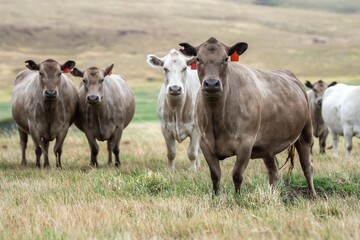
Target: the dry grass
pixel 142 200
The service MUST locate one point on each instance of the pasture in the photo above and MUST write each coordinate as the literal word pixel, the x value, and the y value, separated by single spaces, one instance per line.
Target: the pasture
pixel 142 199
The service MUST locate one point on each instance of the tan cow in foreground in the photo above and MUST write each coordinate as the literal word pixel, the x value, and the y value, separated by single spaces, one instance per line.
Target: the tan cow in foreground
pixel 315 96
pixel 44 104
pixel 106 107
pixel 176 105
pixel 248 113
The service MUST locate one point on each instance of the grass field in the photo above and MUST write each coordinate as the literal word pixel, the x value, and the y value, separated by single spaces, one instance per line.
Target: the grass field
pixel 317 39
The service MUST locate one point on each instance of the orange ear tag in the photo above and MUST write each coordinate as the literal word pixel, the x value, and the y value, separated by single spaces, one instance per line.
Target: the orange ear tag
pixel 234 57
pixel 66 70
pixel 194 66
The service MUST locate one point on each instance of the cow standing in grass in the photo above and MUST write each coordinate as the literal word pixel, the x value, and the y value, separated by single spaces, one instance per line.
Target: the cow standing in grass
pixel 44 104
pixel 106 107
pixel 176 105
pixel 248 113
pixel 341 114
pixel 315 96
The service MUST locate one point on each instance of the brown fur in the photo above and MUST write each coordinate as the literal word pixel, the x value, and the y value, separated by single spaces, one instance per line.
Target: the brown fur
pixel 44 119
pixel 252 114
pixel 105 120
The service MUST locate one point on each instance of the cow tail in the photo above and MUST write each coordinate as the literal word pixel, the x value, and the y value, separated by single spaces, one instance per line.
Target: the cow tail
pixel 291 156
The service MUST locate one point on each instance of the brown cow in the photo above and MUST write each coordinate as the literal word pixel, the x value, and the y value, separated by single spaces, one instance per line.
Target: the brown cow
pixel 315 96
pixel 44 104
pixel 248 113
pixel 106 107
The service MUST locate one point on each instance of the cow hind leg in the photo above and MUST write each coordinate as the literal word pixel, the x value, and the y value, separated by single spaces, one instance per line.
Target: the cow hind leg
pixel 38 153
pixel 273 172
pixel 348 134
pixel 23 144
pixel 322 142
pixel 94 149
pixel 45 148
pixel 334 140
pixel 116 147
pixel 242 160
pixel 303 145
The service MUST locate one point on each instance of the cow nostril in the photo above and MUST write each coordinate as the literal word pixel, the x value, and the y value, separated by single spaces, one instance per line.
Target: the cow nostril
pixel 217 84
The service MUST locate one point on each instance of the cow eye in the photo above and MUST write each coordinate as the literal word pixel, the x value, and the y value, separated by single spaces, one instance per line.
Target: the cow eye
pixel 184 69
pixel 101 80
pixel 166 70
pixel 199 61
pixel 226 60
pixel 41 74
pixel 59 74
pixel 84 80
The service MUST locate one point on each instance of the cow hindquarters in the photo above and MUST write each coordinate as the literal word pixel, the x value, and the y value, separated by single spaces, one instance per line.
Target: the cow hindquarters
pixel 303 145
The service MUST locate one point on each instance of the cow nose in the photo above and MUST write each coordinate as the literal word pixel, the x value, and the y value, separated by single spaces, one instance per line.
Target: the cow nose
pixel 50 93
pixel 212 85
pixel 175 90
pixel 93 99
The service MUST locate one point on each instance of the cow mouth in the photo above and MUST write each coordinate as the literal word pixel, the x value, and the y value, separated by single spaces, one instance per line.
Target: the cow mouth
pixel 174 94
pixel 50 98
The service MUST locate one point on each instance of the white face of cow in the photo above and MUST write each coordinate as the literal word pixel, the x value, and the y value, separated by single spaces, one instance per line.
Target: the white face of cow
pixel 174 66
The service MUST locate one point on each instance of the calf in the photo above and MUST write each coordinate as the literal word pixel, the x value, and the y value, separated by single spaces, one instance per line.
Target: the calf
pixel 44 104
pixel 341 114
pixel 315 96
pixel 248 113
pixel 106 107
pixel 176 105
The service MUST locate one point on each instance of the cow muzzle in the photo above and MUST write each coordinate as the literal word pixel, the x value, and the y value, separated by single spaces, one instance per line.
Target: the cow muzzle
pixel 175 90
pixel 211 86
pixel 50 94
pixel 93 99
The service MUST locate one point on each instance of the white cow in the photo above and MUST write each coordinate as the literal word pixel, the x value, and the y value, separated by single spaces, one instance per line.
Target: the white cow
pixel 341 113
pixel 176 104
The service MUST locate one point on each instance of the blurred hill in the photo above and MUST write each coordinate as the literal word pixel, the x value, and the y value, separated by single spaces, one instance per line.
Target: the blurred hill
pixel 314 39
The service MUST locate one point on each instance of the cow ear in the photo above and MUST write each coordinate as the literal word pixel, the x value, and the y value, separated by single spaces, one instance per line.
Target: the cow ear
pixel 108 70
pixel 30 64
pixel 309 84
pixel 191 61
pixel 332 84
pixel 76 72
pixel 154 61
pixel 67 66
pixel 240 48
pixel 187 50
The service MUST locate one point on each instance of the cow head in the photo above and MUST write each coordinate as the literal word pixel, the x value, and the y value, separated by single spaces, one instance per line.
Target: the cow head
pixel 174 67
pixel 93 79
pixel 212 59
pixel 318 88
pixel 50 75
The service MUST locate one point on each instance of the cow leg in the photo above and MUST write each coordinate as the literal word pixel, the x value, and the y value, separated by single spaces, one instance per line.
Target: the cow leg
pixel 322 142
pixel 171 149
pixel 334 138
pixel 348 134
pixel 58 148
pixel 193 151
pixel 94 149
pixel 38 153
pixel 23 143
pixel 271 164
pixel 303 145
pixel 116 147
pixel 242 160
pixel 45 148
pixel 214 166
pixel 109 149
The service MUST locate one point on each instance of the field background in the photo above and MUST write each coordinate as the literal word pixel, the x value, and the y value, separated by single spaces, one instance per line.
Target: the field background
pixel 317 39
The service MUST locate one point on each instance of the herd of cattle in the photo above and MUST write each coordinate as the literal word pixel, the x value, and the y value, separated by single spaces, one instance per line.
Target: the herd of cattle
pixel 225 108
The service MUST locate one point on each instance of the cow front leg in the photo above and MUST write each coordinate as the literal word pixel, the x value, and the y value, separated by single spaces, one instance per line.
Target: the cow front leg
pixel 322 142
pixel 214 166
pixel 242 160
pixel 171 148
pixel 58 148
pixel 116 146
pixel 23 144
pixel 94 150
pixel 334 140
pixel 193 151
